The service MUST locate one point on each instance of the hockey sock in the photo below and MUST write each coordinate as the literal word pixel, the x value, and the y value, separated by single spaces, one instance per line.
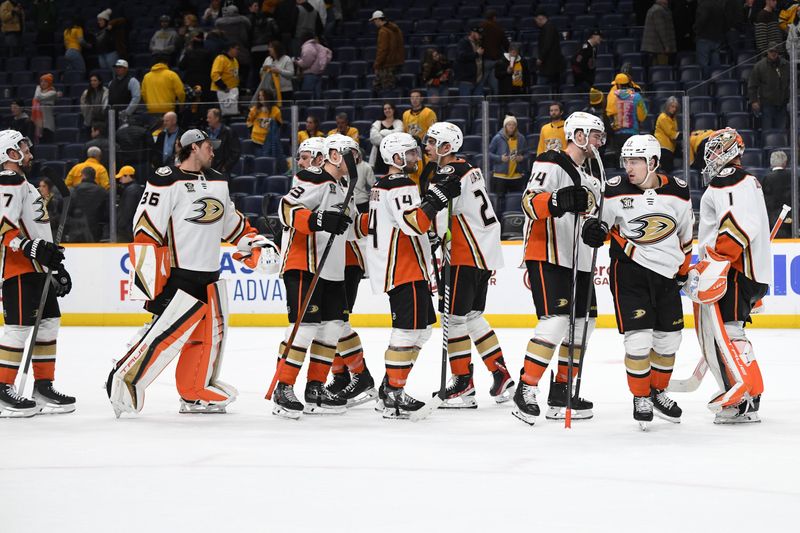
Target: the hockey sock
pixel 44 350
pixel 287 373
pixel 338 366
pixel 459 349
pixel 485 340
pixel 638 370
pixel 537 357
pixel 321 360
pixel 660 369
pixel 12 346
pixel 350 351
pixel 399 361
pixel 563 362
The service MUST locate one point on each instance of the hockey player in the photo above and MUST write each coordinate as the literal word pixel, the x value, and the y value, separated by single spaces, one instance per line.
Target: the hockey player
pixel 309 153
pixel 312 213
pixel 733 273
pixel 558 191
pixel 475 254
pixel 398 255
pixel 651 222
pixel 26 254
pixel 184 214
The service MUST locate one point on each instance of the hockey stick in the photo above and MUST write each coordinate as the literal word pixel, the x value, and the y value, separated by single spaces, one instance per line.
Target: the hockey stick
pixel 349 160
pixel 692 383
pixel 62 188
pixel 572 317
pixel 423 188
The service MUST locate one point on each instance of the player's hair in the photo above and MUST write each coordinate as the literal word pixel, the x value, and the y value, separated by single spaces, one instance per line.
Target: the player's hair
pixel 778 158
pixel 185 151
pixel 418 91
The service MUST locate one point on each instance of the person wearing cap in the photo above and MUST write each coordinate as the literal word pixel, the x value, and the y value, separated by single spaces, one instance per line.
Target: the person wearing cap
pixel 625 108
pixel 768 89
pixel 165 40
pixel 73 44
pixel 91 200
pixel 110 39
pixel 595 106
pixel 511 72
pixel 667 133
pixel 658 38
pixel 468 65
pixel 237 27
pixel 44 100
pixel 552 136
pixel 584 62
pixel 93 156
pixel 550 62
pixel 390 54
pixel 129 194
pixel 162 88
pixel 228 149
pixel 225 79
pixel 124 91
pixel 508 154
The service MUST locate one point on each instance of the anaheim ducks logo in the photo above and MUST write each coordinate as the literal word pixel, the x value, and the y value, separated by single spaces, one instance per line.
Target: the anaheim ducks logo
pixel 41 211
pixel 209 210
pixel 638 313
pixel 652 228
pixel 562 302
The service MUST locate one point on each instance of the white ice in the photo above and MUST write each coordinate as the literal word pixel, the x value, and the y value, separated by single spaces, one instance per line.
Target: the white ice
pixel 479 470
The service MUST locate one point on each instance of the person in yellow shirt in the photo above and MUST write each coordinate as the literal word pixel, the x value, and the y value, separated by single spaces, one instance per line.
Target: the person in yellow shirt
pixel 93 156
pixel 73 43
pixel 696 145
pixel 416 122
pixel 343 127
pixel 161 89
pixel 225 80
pixel 312 130
pixel 265 120
pixel 551 136
pixel 667 133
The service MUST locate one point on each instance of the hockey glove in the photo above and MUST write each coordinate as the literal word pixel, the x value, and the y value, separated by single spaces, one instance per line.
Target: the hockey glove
pixel 572 199
pixel 61 281
pixel 44 252
pixel 331 221
pixel 594 232
pixel 221 85
pixel 681 279
pixel 259 253
pixel 439 195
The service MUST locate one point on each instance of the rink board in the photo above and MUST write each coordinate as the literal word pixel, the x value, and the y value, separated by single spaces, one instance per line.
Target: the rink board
pixel 100 276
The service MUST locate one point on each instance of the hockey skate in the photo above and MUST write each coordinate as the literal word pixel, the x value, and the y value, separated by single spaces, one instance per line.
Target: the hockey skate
pixel 338 382
pixel 12 405
pixel 379 405
pixel 204 407
pixel 665 407
pixel 744 413
pixel 320 402
pixel 503 387
pixel 643 410
pixel 557 403
pixel 460 392
pixel 361 389
pixel 398 405
pixel 525 406
pixel 286 403
pixel 50 401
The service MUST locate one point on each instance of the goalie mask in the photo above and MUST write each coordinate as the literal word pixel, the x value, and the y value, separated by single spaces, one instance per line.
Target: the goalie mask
pixel 444 132
pixel 399 144
pixel 722 147
pixel 12 140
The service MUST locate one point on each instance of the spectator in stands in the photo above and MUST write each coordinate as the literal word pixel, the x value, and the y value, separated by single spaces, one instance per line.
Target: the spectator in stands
pixel 225 80
pixel 550 62
pixel 511 72
pixel 98 138
pixel 164 41
pixel 343 126
pixel 313 61
pixel 93 156
pixel 20 120
pixel 92 200
pixel 697 148
pixel 777 187
pixel 129 193
pixel 124 91
pixel 495 44
pixel 265 122
pixel 507 154
pixel 734 21
pixel 12 18
pixel 364 183
pixel 162 152
pixel 46 14
pixel 191 26
pixel 419 118
pixel 212 12
pixel 552 136
pixel 236 28
pixel 312 129
pixel 195 64
pixel 109 39
pixel 227 155
pixel 390 54
pixel 133 142
pixel 468 66
pixel 584 63
pixel 162 88
pixel 667 133
pixel 388 123
pixel 73 45
pixel 768 89
pixel 277 73
pixel 265 31
pixel 766 27
pixel 436 74
pixel 42 114
pixel 94 102
pixel 596 106
pixel 683 16
pixel 658 39
pixel 709 30
pixel 626 109
pixel 52 201
pixel 307 20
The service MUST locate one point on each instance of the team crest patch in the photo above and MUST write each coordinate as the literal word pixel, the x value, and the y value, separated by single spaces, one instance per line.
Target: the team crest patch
pixel 638 313
pixel 7 173
pixel 189 187
pixel 314 170
pixel 562 302
pixel 627 203
pixel 681 183
pixel 616 180
pixel 163 171
pixel 447 169
pixel 727 171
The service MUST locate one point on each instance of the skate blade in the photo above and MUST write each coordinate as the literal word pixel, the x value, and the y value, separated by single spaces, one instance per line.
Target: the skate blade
pixel 749 418
pixel 394 414
pixel 425 411
pixel 55 409
pixel 460 402
pixel 643 425
pixel 364 397
pixel 560 413
pixel 506 395
pixel 379 406
pixel 528 419
pixel 286 413
pixel 311 409
pixel 200 409
pixel 6 412
pixel 662 416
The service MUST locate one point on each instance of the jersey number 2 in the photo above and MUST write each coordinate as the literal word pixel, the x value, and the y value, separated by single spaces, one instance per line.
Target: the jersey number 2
pixel 487 220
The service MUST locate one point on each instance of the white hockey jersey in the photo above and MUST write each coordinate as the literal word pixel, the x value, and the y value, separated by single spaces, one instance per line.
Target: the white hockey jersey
pixel 548 238
pixel 397 246
pixel 23 213
pixel 734 223
pixel 476 228
pixel 191 213
pixel 652 227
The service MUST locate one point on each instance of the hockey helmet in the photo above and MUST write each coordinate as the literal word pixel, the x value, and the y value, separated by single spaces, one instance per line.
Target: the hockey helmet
pixel 722 147
pixel 445 132
pixel 585 122
pixel 11 140
pixel 314 145
pixel 340 143
pixel 397 144
pixel 643 146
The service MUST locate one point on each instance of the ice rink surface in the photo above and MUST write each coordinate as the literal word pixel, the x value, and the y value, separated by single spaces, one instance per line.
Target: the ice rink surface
pixel 478 470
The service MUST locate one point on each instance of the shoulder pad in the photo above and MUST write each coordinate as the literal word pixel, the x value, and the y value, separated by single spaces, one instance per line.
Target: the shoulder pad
pixel 163 171
pixel 214 175
pixel 162 177
pixel 613 182
pixel 394 181
pixel 460 166
pixel 620 186
pixel 728 176
pixel 9 177
pixel 549 156
pixel 676 187
pixel 317 175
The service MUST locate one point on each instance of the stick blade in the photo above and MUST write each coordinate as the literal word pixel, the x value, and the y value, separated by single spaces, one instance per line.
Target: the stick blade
pixel 426 410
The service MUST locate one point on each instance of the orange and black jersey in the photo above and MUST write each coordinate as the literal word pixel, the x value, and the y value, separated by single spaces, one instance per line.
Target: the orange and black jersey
pixel 651 227
pixel 190 213
pixel 23 213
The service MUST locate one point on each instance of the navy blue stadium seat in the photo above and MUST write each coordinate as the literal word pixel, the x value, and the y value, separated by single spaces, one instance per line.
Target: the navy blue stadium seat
pixel 243 184
pixel 241 130
pixel 691 73
pixel 46 152
pixel 774 139
pixel 753 157
pixel 749 137
pixel 730 104
pixel 728 88
pixel 704 121
pixel 264 165
pixel 73 151
pixel 660 73
pixel 701 104
pixel 251 204
pixel 472 143
pixel 738 121
pixel 346 53
pixel 276 185
pixel 66 135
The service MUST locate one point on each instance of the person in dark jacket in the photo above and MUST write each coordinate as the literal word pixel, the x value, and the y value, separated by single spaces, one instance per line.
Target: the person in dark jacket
pixel 550 62
pixel 227 155
pixel 124 91
pixel 584 63
pixel 658 39
pixel 710 27
pixel 133 143
pixel 468 66
pixel 511 72
pixel 389 55
pixel 264 31
pixel 129 193
pixel 20 120
pixel 92 201
pixel 777 187
pixel 768 89
pixel 495 44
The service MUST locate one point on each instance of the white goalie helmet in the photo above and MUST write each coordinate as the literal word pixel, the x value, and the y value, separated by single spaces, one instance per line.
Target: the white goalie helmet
pixel 722 147
pixel 585 122
pixel 642 146
pixel 340 143
pixel 314 145
pixel 397 144
pixel 445 132
pixel 10 140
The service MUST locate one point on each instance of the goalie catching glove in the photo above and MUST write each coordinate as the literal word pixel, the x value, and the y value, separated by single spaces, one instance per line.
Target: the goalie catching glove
pixel 258 253
pixel 708 279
